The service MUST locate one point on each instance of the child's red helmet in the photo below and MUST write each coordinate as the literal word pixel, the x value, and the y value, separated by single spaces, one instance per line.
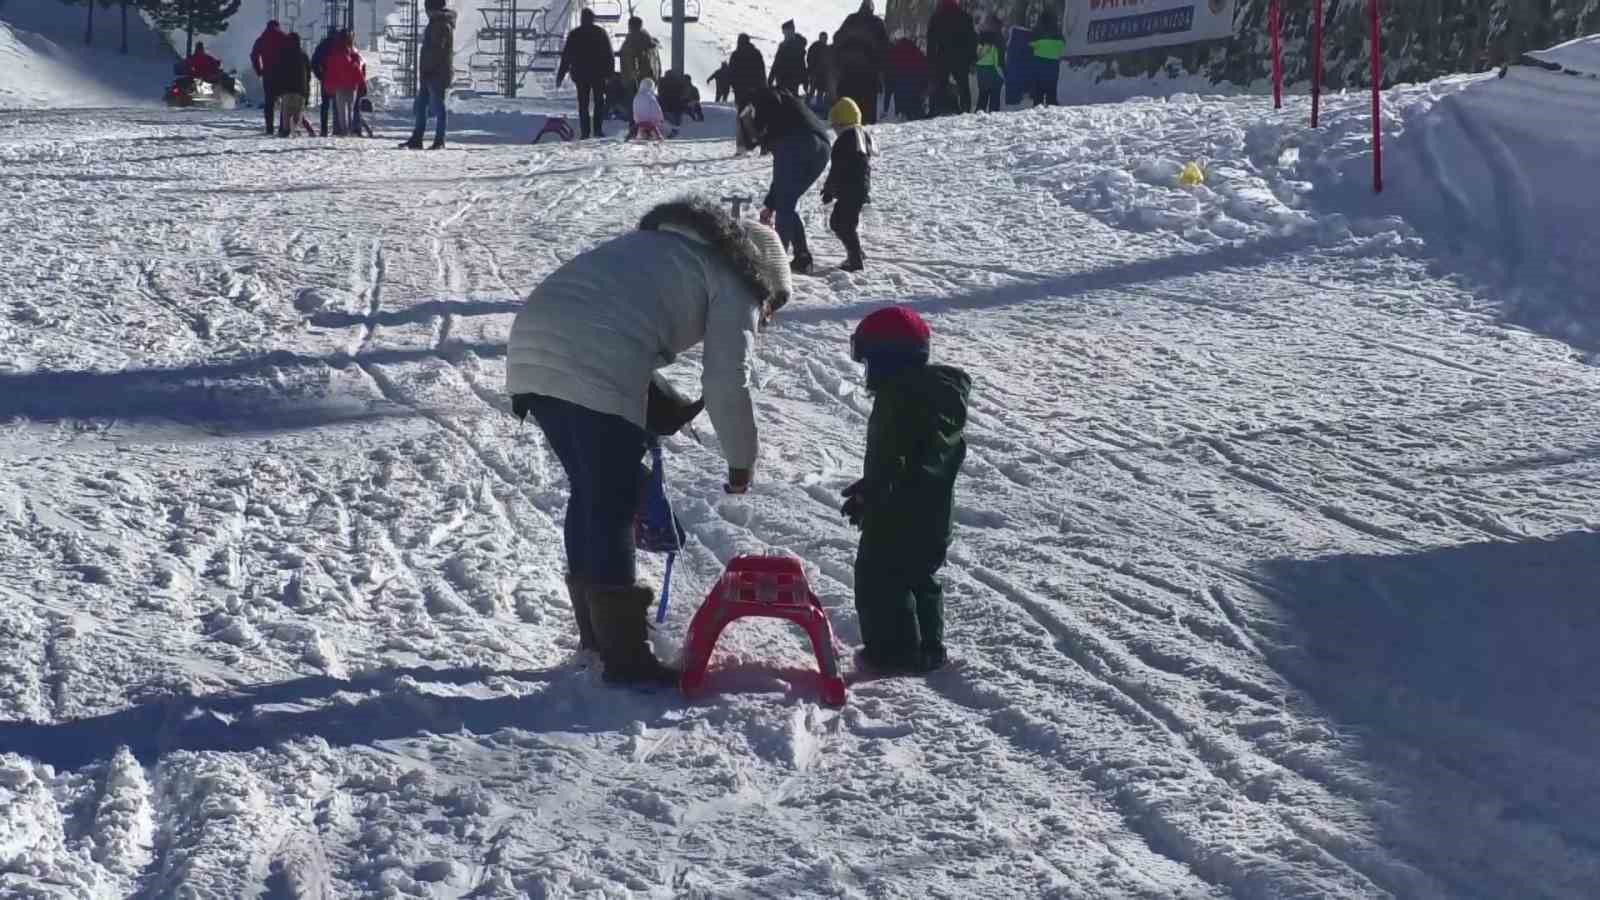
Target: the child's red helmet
pixel 896 329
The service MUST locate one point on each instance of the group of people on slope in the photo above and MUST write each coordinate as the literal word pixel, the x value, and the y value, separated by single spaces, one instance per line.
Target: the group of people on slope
pixel 280 61
pixel 637 89
pixel 935 81
pixel 582 361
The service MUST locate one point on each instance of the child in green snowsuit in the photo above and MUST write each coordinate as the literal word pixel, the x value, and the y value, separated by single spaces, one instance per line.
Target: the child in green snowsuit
pixel 905 498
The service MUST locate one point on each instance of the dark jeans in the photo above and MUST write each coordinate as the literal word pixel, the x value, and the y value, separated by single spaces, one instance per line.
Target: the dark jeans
pixel 845 222
pixel 797 162
pixel 327 107
pixel 1044 87
pixel 269 103
pixel 908 98
pixel 990 86
pixel 430 101
pixel 963 94
pixel 863 89
pixel 591 109
pixel 601 454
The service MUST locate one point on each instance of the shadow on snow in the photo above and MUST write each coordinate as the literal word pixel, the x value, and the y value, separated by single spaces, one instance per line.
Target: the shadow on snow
pixel 1469 673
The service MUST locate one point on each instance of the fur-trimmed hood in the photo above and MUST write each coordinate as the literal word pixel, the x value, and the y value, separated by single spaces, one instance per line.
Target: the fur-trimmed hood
pixel 699 217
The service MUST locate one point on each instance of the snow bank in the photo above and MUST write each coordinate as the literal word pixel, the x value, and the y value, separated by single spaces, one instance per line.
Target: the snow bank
pixel 44 62
pixel 1581 56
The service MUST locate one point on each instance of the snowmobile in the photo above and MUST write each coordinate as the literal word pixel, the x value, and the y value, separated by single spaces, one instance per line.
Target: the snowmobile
pixel 188 90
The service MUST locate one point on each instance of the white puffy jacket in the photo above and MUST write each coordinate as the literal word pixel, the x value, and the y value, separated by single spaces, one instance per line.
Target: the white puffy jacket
pixel 594 330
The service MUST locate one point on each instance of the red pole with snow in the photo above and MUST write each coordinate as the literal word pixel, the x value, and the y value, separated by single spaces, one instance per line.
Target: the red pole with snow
pixel 1275 23
pixel 1316 65
pixel 1377 100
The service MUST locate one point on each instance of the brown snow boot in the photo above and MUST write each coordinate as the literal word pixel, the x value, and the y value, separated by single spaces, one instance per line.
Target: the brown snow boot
pixel 620 626
pixel 578 592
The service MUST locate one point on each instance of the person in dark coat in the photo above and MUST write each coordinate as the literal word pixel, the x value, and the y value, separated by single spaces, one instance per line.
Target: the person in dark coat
pixel 991 64
pixel 908 78
pixel 747 70
pixel 822 75
pixel 291 76
pixel 319 68
pixel 263 57
pixel 723 82
pixel 436 68
pixel 798 141
pixel 905 500
pixel 860 46
pixel 952 51
pixel 679 97
pixel 789 63
pixel 849 183
pixel 587 57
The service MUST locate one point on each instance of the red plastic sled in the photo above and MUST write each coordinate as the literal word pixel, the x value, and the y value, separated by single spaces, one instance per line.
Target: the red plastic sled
pixel 772 587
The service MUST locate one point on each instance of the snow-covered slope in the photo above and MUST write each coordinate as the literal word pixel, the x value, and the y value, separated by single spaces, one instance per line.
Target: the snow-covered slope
pixel 1274 569
pixel 45 63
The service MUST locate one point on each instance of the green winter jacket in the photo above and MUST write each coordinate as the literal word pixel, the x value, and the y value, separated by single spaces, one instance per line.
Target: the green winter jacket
pixel 915 449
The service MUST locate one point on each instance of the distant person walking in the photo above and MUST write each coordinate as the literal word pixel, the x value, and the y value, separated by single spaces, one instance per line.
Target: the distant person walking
pixel 861 46
pixel 436 68
pixel 641 59
pixel 291 76
pixel 748 71
pixel 952 52
pixel 346 71
pixel 319 68
pixel 264 59
pixel 1049 46
pixel 991 64
pixel 789 63
pixel 822 72
pixel 587 57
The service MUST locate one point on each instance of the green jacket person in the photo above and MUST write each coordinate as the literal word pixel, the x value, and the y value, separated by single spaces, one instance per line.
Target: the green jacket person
pixel 904 502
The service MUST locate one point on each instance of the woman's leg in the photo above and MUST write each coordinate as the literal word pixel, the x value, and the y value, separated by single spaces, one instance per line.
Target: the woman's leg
pixel 554 418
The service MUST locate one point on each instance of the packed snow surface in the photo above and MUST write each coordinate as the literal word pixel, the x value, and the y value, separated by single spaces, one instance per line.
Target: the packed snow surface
pixel 1274 574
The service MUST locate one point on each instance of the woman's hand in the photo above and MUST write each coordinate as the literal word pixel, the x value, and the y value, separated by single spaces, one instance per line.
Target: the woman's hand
pixel 738 481
pixel 766 217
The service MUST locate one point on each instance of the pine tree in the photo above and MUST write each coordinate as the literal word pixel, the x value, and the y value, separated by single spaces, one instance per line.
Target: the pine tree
pixel 192 17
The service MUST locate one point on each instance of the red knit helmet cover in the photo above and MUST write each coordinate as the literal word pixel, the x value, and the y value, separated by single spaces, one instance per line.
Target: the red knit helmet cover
pixel 895 326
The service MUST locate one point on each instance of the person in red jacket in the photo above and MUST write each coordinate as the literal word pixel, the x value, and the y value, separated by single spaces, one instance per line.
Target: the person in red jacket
pixel 345 73
pixel 203 65
pixel 908 73
pixel 263 58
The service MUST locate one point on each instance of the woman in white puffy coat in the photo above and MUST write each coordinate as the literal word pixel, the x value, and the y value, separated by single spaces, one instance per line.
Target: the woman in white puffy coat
pixel 581 359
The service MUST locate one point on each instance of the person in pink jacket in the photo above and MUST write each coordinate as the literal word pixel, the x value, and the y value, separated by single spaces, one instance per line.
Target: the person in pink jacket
pixel 344 74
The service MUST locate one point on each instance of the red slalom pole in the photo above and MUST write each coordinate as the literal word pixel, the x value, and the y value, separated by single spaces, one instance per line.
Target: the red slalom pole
pixel 1316 66
pixel 1377 100
pixel 1275 23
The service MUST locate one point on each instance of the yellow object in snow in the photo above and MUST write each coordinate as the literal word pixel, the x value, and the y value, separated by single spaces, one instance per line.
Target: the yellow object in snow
pixel 1191 175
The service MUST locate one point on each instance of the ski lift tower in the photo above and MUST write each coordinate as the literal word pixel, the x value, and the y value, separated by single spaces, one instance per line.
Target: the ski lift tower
pixel 406 35
pixel 679 13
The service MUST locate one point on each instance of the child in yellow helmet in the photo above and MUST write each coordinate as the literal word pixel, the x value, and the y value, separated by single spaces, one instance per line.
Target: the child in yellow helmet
pixel 849 180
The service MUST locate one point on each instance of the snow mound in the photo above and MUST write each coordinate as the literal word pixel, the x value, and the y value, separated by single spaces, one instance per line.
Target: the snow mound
pixel 1580 56
pixel 46 64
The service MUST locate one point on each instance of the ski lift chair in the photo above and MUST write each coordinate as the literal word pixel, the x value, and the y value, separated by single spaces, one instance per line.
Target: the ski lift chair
pixel 605 10
pixel 691 11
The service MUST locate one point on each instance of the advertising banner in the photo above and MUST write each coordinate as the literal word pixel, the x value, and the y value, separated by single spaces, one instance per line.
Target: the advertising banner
pixel 1099 27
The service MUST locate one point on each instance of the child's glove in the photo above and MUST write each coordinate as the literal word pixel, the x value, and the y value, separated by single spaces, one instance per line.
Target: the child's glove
pixel 855 504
